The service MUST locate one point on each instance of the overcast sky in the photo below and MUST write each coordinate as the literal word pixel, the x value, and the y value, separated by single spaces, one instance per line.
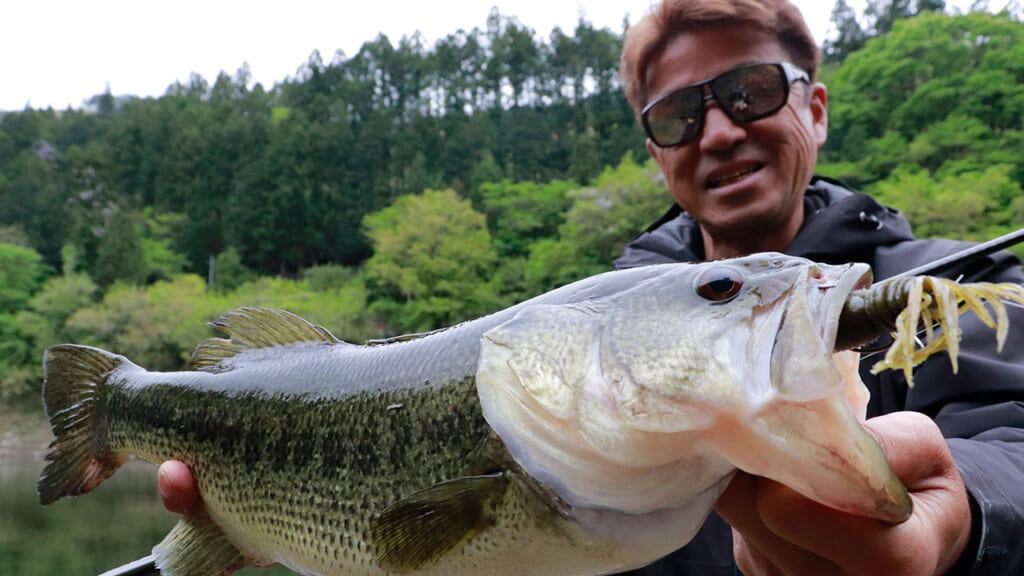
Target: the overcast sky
pixel 60 52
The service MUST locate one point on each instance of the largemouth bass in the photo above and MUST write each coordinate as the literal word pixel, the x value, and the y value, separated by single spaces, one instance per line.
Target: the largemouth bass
pixel 586 431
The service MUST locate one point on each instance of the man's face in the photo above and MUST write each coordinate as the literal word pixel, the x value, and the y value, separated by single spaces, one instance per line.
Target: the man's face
pixel 739 180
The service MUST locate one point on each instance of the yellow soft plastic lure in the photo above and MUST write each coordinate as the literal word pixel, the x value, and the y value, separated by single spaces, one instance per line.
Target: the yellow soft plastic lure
pixel 937 303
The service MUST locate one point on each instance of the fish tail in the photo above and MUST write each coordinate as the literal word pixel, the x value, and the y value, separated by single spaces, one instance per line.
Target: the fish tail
pixel 76 380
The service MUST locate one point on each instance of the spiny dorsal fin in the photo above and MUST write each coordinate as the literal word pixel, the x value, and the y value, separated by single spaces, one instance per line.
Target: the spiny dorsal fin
pixel 248 328
pixel 403 337
pixel 429 523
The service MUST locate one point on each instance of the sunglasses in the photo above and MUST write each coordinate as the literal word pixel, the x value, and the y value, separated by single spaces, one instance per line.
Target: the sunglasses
pixel 746 93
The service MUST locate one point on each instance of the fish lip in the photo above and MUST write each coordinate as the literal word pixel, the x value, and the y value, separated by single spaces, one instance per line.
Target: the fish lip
pixel 854 277
pixel 836 283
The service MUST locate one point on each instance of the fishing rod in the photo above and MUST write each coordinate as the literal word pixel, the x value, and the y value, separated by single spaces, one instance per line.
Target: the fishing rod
pixel 141 567
pixel 147 566
pixel 940 267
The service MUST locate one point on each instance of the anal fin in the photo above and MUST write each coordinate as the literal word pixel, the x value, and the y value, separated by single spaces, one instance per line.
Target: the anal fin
pixel 429 523
pixel 197 547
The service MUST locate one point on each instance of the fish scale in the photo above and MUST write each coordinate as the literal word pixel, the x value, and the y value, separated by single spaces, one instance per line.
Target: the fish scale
pixel 586 431
pixel 336 445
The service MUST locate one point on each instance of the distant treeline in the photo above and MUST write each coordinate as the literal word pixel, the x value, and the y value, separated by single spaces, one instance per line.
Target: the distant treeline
pixel 285 176
pixel 407 188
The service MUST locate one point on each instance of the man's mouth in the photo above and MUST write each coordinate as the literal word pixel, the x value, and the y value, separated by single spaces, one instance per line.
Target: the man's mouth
pixel 730 177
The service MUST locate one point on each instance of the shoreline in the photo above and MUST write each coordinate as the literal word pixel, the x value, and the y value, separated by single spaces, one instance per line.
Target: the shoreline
pixel 24 436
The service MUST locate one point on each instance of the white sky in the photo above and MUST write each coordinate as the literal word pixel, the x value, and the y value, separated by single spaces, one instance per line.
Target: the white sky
pixel 61 52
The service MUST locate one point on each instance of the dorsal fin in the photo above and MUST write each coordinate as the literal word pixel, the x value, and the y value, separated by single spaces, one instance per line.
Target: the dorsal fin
pixel 248 328
pixel 404 337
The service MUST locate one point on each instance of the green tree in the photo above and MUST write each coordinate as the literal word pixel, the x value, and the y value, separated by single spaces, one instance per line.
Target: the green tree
pixel 432 261
pixel 34 194
pixel 849 36
pixel 619 205
pixel 484 171
pixel 231 272
pixel 971 205
pixel 286 175
pixel 328 277
pixel 883 14
pixel 26 335
pixel 939 88
pixel 603 217
pixel 954 138
pixel 120 254
pixel 521 213
pixel 585 163
pixel 16 370
pixel 156 326
pixel 162 262
pixel 14 234
pixel 22 272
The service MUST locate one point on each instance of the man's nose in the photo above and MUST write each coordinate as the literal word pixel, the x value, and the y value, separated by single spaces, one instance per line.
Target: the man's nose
pixel 720 131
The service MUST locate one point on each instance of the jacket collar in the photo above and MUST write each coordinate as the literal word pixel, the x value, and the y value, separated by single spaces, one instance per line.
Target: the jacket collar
pixel 840 226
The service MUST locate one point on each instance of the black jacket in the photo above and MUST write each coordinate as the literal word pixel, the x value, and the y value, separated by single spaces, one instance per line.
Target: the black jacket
pixel 980 410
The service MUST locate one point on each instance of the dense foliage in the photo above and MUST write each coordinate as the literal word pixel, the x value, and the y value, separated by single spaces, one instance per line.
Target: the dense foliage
pixel 410 187
pixel 930 120
pixel 286 176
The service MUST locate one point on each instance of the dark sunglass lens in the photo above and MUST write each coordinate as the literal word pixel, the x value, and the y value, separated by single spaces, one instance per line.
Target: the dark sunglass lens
pixel 750 93
pixel 675 118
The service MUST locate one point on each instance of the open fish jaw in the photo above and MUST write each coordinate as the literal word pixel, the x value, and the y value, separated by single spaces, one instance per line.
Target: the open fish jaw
pixel 643 401
pixel 807 435
pixel 623 404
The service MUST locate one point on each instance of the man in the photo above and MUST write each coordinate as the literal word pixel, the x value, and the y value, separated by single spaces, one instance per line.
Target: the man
pixel 726 92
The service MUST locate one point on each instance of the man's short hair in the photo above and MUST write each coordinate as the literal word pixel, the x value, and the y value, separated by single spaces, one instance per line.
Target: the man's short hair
pixel 645 40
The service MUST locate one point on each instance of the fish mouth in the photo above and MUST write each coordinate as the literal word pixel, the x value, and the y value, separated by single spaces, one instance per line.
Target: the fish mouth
pixel 813 440
pixel 851 280
pixel 820 299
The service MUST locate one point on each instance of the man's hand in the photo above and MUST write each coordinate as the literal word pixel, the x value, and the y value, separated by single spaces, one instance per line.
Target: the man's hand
pixel 177 487
pixel 777 531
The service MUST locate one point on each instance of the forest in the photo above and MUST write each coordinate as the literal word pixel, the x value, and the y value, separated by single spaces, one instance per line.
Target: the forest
pixel 412 186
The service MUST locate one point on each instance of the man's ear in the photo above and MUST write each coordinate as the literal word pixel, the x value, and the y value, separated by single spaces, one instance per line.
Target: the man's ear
pixel 819 112
pixel 653 150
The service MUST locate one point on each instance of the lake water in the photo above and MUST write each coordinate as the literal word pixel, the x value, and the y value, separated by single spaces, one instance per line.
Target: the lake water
pixel 118 522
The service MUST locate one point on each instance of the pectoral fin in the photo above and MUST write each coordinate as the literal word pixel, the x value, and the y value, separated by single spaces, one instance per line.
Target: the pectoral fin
pixel 197 547
pixel 422 527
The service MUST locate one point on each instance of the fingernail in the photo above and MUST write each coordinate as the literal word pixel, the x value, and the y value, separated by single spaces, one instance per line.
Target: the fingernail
pixel 162 483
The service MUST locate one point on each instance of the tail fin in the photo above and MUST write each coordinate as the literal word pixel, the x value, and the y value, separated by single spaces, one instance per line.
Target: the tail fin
pixel 77 461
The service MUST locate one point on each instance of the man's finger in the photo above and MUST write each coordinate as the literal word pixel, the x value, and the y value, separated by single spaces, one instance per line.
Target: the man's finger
pixel 835 536
pixel 770 553
pixel 750 560
pixel 920 458
pixel 914 447
pixel 177 487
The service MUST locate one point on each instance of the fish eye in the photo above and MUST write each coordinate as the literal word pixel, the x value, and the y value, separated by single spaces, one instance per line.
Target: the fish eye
pixel 719 284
